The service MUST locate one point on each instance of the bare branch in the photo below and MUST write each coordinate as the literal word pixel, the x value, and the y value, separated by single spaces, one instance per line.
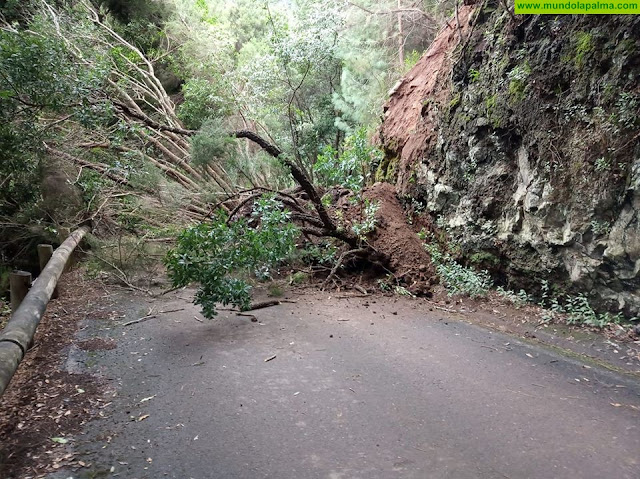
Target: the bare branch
pixel 392 11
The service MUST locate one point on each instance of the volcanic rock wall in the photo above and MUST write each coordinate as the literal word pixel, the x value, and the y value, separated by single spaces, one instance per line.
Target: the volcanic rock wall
pixel 521 138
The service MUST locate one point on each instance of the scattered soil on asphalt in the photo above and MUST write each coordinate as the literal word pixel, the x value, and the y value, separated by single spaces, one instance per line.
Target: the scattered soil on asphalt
pixel 97 344
pixel 44 404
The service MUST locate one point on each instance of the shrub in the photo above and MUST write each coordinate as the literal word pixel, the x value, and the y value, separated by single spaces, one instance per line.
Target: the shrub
pixel 203 99
pixel 220 256
pixel 518 299
pixel 211 142
pixel 457 278
pixel 575 310
pixel 351 167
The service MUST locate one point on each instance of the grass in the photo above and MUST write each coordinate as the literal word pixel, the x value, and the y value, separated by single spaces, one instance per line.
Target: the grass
pixel 275 290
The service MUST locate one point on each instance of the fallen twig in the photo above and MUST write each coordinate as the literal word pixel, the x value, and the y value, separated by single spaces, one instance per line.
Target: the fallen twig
pixel 489 347
pixel 267 304
pixel 118 273
pixel 139 320
pixel 441 308
pixel 167 291
pixel 253 318
pixel 360 288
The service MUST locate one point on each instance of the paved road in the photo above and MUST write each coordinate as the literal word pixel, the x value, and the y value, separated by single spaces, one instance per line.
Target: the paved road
pixel 354 391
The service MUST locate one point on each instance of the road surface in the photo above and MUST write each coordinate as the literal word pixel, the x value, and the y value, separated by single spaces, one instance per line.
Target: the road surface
pixel 344 389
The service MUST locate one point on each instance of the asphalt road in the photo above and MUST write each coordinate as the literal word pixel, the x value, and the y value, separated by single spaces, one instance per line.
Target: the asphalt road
pixel 352 391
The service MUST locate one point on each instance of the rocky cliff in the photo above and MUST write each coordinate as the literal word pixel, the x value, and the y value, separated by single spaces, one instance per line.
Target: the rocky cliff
pixel 521 138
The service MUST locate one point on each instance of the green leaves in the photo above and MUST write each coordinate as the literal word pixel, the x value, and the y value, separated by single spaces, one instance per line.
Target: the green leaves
pixel 35 71
pixel 458 279
pixel 368 224
pixel 39 81
pixel 203 99
pixel 351 168
pixel 212 141
pixel 221 256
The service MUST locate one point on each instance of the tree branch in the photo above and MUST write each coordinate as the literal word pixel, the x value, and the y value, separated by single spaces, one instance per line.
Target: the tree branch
pixel 393 11
pixel 149 122
pixel 298 175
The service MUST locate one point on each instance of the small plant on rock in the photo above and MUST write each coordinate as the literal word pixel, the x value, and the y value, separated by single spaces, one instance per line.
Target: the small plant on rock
pixel 458 279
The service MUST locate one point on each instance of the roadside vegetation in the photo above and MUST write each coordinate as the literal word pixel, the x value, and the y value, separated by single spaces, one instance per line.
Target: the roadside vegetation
pixel 227 139
pixel 149 117
pixel 557 306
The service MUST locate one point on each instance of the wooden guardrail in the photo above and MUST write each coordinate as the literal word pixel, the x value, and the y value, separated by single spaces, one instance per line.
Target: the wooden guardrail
pixel 17 336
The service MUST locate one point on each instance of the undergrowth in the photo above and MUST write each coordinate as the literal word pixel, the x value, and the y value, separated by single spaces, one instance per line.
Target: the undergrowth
pixel 464 281
pixel 458 279
pixel 519 299
pixel 574 309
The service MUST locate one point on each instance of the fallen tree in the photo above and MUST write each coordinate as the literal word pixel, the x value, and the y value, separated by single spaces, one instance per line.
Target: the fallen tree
pixel 262 226
pixel 135 103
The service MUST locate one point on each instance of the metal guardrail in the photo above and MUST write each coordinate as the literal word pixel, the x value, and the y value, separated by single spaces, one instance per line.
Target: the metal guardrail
pixel 17 336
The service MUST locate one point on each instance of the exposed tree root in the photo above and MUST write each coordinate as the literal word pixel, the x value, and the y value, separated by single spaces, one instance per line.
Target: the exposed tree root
pixel 341 258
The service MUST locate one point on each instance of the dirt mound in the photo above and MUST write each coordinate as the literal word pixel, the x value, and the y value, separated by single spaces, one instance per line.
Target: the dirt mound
pixel 395 238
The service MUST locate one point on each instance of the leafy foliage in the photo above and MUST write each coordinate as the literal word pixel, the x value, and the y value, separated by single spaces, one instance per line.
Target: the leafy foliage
pixel 352 167
pixel 575 310
pixel 323 253
pixel 211 142
pixel 362 228
pixel 518 299
pixel 37 77
pixel 220 256
pixel 108 85
pixel 203 99
pixel 457 278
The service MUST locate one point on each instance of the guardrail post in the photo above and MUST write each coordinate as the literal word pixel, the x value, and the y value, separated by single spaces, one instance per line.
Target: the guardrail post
pixel 19 284
pixel 45 251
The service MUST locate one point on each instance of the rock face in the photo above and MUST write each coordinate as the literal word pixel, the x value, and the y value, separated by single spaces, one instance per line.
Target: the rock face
pixel 522 140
